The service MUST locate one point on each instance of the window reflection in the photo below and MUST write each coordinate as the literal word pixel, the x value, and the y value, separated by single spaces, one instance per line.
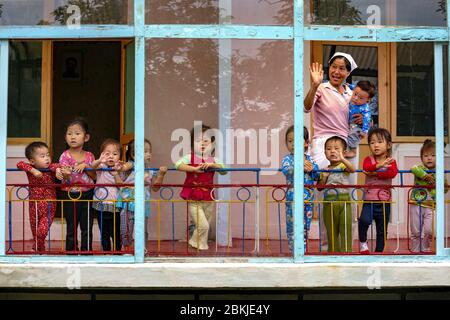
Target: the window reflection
pixel 254 12
pixel 62 12
pixel 373 12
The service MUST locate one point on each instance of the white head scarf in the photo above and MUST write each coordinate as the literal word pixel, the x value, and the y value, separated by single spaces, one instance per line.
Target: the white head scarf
pixel 350 59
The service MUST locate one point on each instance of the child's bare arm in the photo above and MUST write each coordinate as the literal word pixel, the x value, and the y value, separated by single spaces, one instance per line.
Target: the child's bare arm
pixel 188 168
pixel 349 167
pixel 126 167
pixel 323 179
pixel 159 178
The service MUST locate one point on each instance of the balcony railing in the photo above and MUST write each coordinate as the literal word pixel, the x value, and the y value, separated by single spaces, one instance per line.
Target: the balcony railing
pixel 254 215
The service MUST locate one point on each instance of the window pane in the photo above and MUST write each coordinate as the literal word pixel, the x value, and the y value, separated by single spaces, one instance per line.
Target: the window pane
pixel 367 60
pixel 62 12
pixel 384 12
pixel 228 85
pixel 24 89
pixel 257 12
pixel 415 89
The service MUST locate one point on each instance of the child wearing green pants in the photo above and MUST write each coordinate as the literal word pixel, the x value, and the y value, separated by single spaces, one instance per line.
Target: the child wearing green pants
pixel 337 211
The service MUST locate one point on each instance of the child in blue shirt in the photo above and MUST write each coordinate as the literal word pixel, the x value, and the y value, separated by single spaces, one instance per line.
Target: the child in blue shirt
pixel 311 175
pixel 359 104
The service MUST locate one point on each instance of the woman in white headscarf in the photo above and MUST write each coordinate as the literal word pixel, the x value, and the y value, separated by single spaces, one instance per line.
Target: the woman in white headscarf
pixel 329 104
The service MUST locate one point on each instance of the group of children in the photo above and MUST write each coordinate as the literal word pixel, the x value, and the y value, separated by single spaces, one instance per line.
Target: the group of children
pixel 379 169
pixel 113 206
pixel 111 197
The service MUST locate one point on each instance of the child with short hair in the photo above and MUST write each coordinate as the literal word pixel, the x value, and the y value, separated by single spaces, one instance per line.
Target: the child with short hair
pixel 422 201
pixel 126 194
pixel 337 216
pixel 311 175
pixel 200 200
pixel 380 168
pixel 42 195
pixel 73 162
pixel 105 197
pixel 363 92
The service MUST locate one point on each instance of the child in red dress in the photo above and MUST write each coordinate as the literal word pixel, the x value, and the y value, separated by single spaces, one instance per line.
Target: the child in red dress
pixel 42 195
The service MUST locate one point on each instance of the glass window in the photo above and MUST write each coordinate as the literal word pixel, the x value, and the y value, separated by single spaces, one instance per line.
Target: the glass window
pixel 63 12
pixel 253 12
pixel 415 89
pixel 243 88
pixel 370 12
pixel 24 89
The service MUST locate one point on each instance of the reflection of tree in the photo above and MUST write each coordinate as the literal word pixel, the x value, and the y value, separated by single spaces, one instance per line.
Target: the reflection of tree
pixel 262 83
pixel 285 14
pixel 94 11
pixel 182 76
pixel 186 11
pixel 182 73
pixel 335 13
pixel 442 8
pixel 208 11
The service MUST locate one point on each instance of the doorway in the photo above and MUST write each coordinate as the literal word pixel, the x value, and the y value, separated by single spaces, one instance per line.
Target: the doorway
pixel 86 83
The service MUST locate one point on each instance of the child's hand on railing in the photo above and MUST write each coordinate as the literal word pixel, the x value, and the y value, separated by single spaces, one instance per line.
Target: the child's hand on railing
pixel 162 171
pixel 59 175
pixel 308 167
pixel 118 167
pixel 206 166
pixel 36 173
pixel 429 178
pixel 66 171
pixel 385 164
pixel 79 168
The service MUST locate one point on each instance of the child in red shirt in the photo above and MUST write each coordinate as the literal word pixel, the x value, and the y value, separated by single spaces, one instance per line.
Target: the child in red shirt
pixel 42 196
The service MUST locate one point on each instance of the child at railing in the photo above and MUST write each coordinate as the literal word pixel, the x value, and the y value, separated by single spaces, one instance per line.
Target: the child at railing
pixel 337 216
pixel 41 212
pixel 380 168
pixel 76 199
pixel 126 194
pixel 422 201
pixel 359 104
pixel 311 175
pixel 105 197
pixel 196 165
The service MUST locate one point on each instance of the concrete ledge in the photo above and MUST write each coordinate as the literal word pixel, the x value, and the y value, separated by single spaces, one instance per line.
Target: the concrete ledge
pixel 221 275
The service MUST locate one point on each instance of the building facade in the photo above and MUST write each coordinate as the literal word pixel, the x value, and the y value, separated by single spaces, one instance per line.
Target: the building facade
pixel 150 69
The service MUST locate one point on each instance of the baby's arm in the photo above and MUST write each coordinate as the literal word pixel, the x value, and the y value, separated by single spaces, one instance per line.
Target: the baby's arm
pixel 323 179
pixel 97 162
pixel 349 167
pixel 367 118
pixel 286 167
pixel 391 170
pixel 29 168
pixel 126 167
pixel 420 173
pixel 159 179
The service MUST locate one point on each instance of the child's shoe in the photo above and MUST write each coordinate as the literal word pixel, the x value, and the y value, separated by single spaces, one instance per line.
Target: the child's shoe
pixel 363 248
